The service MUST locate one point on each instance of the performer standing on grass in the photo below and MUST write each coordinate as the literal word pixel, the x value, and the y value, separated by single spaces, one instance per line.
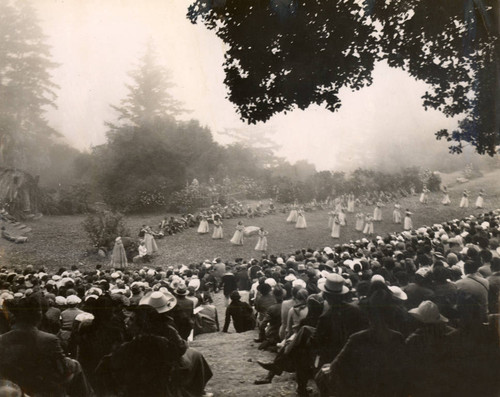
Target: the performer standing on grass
pixel 368 230
pixel 262 242
pixel 446 197
pixel 342 217
pixel 301 220
pixel 377 212
pixel 292 218
pixel 336 227
pixel 203 227
pixel 480 199
pixel 360 221
pixel 424 197
pixel 464 202
pixel 218 233
pixel 350 203
pixel 396 214
pixel 408 223
pixel 331 216
pixel 238 234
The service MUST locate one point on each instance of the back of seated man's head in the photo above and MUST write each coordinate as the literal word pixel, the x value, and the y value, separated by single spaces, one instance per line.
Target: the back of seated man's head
pixel 495 265
pixel 26 311
pixel 470 267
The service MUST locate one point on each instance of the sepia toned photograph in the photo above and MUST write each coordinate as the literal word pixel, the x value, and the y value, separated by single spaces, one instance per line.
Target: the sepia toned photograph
pixel 224 198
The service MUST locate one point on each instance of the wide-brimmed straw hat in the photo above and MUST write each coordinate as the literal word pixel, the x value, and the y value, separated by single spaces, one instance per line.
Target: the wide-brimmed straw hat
pixel 334 284
pixel 428 312
pixel 161 301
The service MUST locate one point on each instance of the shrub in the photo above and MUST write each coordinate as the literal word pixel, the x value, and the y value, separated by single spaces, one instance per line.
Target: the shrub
pixel 103 227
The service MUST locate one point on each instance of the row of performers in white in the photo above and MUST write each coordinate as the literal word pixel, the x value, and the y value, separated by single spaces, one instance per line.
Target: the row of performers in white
pixel 464 201
pixel 238 236
pixel 364 223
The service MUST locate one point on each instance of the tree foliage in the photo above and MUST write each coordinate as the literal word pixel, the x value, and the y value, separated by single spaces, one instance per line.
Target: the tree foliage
pixel 26 87
pixel 148 95
pixel 285 54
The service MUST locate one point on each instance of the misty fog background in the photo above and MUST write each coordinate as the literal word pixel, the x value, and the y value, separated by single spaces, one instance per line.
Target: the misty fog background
pixel 97 43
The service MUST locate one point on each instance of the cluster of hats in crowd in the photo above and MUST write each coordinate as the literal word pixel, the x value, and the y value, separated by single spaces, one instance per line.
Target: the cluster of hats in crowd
pixel 69 287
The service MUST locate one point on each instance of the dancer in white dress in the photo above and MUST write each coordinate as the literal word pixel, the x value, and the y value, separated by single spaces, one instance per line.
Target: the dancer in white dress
pixel 238 234
pixel 342 217
pixel 218 232
pixel 464 202
pixel 424 197
pixel 480 199
pixel 292 217
pixel 368 229
pixel 360 221
pixel 203 227
pixel 350 203
pixel 262 242
pixel 301 220
pixel 396 214
pixel 336 227
pixel 149 241
pixel 377 212
pixel 446 197
pixel 408 223
pixel 331 215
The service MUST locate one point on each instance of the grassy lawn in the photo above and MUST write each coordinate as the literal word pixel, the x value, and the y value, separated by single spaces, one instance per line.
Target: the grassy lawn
pixel 60 241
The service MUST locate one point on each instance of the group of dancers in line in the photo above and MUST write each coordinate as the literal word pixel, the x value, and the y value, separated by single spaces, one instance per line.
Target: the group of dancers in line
pixel 238 236
pixel 464 201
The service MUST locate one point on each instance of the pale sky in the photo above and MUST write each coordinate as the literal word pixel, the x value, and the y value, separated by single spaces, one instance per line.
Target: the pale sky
pixel 97 42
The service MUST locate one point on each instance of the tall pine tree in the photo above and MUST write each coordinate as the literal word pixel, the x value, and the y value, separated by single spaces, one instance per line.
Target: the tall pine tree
pixel 26 87
pixel 148 97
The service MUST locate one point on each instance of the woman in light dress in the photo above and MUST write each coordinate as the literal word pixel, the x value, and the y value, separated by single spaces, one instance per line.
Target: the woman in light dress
pixel 480 199
pixel 377 212
pixel 336 227
pixel 360 221
pixel 119 256
pixel 350 203
pixel 396 214
pixel 149 241
pixel 331 215
pixel 464 202
pixel 301 220
pixel 368 229
pixel 446 197
pixel 292 217
pixel 238 234
pixel 408 223
pixel 262 242
pixel 424 197
pixel 203 227
pixel 342 217
pixel 218 232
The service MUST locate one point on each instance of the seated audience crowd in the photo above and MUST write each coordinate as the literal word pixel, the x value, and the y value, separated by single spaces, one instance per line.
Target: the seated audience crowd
pixel 408 314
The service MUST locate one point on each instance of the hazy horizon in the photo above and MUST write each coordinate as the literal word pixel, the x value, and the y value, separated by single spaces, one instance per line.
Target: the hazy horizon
pixel 98 43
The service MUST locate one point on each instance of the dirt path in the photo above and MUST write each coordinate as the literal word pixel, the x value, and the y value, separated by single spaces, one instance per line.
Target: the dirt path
pixel 233 359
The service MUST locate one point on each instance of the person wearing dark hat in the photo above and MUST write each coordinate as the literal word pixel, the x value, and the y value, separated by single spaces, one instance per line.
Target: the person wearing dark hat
pixel 241 313
pixel 183 312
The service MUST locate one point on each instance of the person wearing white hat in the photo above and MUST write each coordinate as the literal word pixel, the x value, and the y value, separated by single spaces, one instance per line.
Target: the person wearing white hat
pixel 341 320
pixel 68 318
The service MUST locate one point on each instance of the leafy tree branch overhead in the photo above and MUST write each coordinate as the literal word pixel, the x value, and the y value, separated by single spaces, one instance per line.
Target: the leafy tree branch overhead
pixel 286 54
